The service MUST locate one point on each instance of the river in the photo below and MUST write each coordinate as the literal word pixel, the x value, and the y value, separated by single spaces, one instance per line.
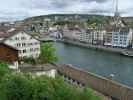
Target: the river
pixel 98 62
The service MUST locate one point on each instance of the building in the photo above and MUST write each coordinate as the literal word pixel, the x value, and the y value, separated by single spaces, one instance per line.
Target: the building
pixel 72 33
pixel 87 36
pixel 108 38
pixel 26 45
pixel 93 36
pixel 122 37
pixel 46 69
pixel 98 36
pixel 9 54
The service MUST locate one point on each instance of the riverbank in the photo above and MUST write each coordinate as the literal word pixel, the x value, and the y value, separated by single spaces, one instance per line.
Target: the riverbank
pixel 105 86
pixel 121 51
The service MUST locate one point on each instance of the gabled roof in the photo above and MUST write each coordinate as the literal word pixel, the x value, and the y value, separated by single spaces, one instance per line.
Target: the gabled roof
pixel 1 43
pixel 12 33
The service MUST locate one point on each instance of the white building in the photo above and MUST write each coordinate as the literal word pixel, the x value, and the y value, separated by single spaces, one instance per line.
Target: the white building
pixel 87 36
pixel 122 37
pixel 46 69
pixel 93 36
pixel 27 45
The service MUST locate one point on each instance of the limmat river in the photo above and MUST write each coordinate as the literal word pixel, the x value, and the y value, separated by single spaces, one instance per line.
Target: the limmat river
pixel 98 62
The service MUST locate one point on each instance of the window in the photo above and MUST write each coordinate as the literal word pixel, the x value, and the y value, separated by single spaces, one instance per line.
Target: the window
pixel 24 51
pixel 30 44
pixel 23 38
pixel 23 44
pixel 31 49
pixel 18 44
pixel 36 43
pixel 16 38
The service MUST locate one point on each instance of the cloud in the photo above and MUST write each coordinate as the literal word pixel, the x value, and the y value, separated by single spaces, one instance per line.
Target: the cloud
pixel 60 3
pixel 15 9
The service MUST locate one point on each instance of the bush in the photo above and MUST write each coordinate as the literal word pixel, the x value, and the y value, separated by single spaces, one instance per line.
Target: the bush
pixel 18 86
pixel 29 60
pixel 3 69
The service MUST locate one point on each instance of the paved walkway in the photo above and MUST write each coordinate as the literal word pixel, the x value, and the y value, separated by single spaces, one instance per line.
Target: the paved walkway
pixel 100 47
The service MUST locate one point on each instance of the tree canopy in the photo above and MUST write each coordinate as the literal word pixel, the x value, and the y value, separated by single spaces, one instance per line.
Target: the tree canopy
pixel 47 53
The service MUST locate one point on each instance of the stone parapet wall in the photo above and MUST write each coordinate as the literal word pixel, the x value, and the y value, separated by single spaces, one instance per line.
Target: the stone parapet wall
pixel 98 83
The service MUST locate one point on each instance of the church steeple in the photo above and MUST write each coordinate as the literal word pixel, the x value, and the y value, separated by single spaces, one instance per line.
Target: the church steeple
pixel 116 14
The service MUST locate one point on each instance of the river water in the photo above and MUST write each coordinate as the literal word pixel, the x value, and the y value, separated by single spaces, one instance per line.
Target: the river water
pixel 98 62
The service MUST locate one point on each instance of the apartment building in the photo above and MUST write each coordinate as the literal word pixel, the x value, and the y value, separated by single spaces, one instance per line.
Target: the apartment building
pixel 26 45
pixel 93 36
pixel 87 36
pixel 122 37
pixel 108 38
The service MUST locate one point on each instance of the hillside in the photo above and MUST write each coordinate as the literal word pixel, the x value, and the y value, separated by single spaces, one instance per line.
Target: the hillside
pixel 78 18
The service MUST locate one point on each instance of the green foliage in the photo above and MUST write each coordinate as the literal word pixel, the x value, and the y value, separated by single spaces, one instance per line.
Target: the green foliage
pixel 72 23
pixel 15 87
pixel 61 23
pixel 29 60
pixel 18 86
pixel 3 69
pixel 88 94
pixel 47 53
pixel 97 20
pixel 34 34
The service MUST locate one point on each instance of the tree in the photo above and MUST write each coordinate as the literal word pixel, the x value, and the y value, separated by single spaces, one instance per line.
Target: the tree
pixel 47 53
pixel 3 68
pixel 97 20
pixel 18 86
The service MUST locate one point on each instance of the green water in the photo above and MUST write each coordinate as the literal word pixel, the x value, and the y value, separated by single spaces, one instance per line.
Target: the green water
pixel 98 62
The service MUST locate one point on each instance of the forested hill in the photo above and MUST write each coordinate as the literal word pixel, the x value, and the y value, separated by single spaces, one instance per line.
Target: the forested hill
pixel 75 17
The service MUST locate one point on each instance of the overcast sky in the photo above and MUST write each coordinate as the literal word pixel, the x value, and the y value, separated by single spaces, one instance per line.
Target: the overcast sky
pixel 19 9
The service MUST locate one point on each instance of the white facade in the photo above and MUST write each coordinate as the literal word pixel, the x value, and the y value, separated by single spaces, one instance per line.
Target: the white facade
pixel 108 39
pixel 51 73
pixel 121 39
pixel 86 37
pixel 93 36
pixel 26 44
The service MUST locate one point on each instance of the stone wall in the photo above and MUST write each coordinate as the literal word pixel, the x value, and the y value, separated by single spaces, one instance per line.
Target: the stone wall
pixel 98 83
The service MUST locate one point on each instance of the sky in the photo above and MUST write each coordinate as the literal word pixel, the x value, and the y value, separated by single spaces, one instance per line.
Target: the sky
pixel 20 9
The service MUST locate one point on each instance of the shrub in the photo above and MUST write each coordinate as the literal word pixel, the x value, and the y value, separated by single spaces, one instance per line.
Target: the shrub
pixel 18 86
pixel 3 68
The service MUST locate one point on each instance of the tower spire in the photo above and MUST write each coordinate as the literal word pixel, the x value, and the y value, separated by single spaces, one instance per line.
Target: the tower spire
pixel 116 8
